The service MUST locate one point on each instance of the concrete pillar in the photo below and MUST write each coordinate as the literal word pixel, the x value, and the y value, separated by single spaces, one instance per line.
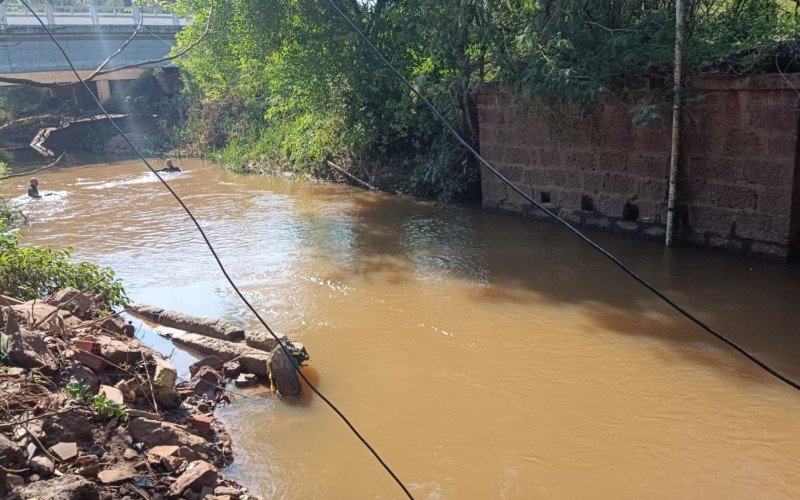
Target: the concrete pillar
pixel 103 90
pixel 48 10
pixel 3 20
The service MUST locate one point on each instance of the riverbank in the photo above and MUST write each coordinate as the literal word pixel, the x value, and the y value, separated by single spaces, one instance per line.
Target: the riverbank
pixel 90 412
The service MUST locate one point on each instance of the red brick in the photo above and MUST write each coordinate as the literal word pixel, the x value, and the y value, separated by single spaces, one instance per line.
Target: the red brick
pixel 763 227
pixel 731 196
pixel 717 220
pixel 745 143
pixel 782 145
pixel 652 190
pixel 715 168
pixel 775 201
pixel 618 183
pixel 647 165
pixel 769 173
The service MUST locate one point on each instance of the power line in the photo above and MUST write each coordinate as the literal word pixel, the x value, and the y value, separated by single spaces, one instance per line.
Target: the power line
pixel 661 295
pixel 285 350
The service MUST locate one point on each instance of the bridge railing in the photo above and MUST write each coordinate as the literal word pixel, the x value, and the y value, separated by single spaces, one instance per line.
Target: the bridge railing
pixel 13 13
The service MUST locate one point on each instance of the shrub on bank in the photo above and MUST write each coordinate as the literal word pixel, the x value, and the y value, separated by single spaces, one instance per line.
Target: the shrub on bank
pixel 32 272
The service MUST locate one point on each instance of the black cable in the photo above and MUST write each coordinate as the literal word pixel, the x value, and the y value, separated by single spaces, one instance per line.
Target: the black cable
pixel 663 296
pixel 295 364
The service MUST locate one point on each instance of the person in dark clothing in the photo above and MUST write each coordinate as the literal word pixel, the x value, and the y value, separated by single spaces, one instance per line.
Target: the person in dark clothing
pixel 33 189
pixel 169 167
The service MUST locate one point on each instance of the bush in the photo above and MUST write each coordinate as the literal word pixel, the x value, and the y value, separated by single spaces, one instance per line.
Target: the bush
pixel 32 272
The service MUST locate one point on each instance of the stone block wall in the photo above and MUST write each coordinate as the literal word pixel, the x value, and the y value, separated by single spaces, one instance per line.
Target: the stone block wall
pixel 738 185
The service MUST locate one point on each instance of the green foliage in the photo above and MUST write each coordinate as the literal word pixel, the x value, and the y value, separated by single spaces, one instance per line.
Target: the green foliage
pixel 18 101
pixel 285 82
pixel 33 272
pixel 96 137
pixel 100 402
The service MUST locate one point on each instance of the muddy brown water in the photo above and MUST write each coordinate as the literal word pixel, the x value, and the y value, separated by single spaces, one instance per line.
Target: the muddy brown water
pixel 485 356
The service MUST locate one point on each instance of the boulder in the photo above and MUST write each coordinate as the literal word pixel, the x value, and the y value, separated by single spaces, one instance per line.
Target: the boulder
pixel 245 380
pixel 283 373
pixel 206 381
pixel 154 432
pixel 66 427
pixel 42 465
pixel 197 474
pixel 11 455
pixel 217 328
pixel 68 487
pixel 72 300
pixel 118 352
pixel 36 311
pixel 74 370
pixel 29 350
pixel 232 369
pixel 65 451
pixel 252 360
pixel 261 340
pixel 112 394
pixel 212 361
pixel 164 379
pixel 113 476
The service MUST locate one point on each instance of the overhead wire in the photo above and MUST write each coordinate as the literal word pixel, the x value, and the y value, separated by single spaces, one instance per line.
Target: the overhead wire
pixel 627 270
pixel 221 266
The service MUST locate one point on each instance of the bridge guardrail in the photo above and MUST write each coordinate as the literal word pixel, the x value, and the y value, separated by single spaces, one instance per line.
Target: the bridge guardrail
pixel 15 14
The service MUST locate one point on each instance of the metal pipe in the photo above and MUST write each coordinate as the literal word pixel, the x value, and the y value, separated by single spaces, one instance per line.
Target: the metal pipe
pixel 677 88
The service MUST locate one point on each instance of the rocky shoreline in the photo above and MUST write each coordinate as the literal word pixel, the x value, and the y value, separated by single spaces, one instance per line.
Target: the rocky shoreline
pixel 87 411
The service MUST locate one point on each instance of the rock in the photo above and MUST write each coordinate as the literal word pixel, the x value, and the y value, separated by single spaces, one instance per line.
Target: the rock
pixel 252 360
pixel 66 427
pixel 65 451
pixel 232 369
pixel 5 486
pixel 112 325
pixel 143 414
pixel 196 475
pixel 154 432
pixel 164 379
pixel 15 480
pixel 118 352
pixel 36 311
pixel 227 490
pixel 206 381
pixel 112 394
pixel 42 465
pixel 29 350
pixel 74 370
pixel 88 465
pixel 73 301
pixel 173 463
pixel 15 372
pixel 245 380
pixel 261 340
pixel 129 330
pixel 11 455
pixel 68 487
pixel 91 361
pixel 130 454
pixel 283 373
pixel 114 476
pixel 128 394
pixel 157 454
pixel 211 361
pixel 218 328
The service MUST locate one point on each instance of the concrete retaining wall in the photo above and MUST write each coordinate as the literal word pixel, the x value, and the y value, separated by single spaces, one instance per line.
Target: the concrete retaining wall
pixel 739 188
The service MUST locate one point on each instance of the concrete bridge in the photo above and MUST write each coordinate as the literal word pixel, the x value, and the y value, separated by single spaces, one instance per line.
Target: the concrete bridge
pixel 89 35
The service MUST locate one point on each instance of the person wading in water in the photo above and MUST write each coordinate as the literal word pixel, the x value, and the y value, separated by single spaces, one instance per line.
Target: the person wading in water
pixel 169 167
pixel 33 189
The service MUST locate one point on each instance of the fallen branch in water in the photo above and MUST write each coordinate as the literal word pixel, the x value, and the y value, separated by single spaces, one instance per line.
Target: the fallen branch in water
pixel 350 176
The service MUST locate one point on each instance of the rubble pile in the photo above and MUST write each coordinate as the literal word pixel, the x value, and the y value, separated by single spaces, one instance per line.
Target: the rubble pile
pixel 89 412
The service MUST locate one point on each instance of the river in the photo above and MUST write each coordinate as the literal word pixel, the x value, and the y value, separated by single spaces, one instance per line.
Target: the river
pixel 483 355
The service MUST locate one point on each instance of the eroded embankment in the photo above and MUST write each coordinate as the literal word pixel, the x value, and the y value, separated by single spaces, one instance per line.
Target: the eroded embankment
pixel 90 412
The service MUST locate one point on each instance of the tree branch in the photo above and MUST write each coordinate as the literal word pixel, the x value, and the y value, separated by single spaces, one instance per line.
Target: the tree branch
pixel 100 71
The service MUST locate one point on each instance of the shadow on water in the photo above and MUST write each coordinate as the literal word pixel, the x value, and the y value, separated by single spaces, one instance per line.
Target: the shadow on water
pixel 750 301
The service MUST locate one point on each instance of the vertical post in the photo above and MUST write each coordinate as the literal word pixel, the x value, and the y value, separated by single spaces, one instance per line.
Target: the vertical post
pixel 137 14
pixel 3 20
pixel 677 89
pixel 48 12
pixel 94 14
pixel 175 19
